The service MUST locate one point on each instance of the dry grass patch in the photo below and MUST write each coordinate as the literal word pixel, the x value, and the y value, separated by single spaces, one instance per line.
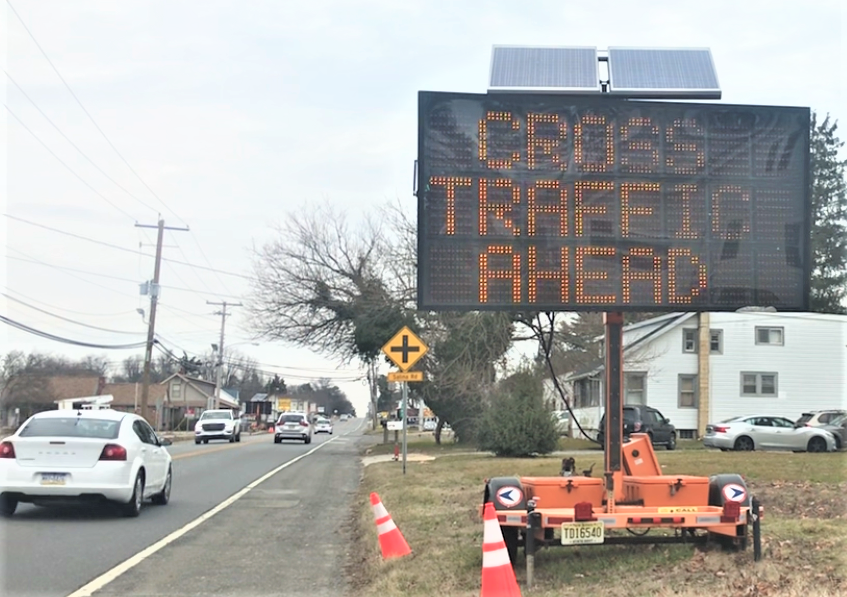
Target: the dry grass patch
pixel 436 504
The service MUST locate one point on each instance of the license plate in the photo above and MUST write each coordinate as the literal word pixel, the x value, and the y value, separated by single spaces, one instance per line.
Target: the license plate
pixel 53 478
pixel 583 533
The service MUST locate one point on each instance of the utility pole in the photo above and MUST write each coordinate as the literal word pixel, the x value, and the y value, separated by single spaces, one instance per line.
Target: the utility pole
pixel 154 300
pixel 220 361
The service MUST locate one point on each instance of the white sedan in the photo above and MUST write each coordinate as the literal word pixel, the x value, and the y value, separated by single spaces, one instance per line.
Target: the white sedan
pixel 767 432
pixel 61 456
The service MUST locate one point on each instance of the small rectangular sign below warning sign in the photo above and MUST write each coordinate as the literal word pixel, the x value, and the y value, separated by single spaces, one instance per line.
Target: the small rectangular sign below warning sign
pixel 405 376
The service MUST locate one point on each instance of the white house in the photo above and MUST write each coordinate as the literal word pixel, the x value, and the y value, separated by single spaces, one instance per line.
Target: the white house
pixel 699 368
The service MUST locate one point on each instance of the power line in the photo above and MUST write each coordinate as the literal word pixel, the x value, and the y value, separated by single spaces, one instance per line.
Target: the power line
pixel 87 113
pixel 119 248
pixel 172 309
pixel 66 310
pixel 31 259
pixel 79 323
pixel 71 170
pixel 112 145
pixel 36 332
pixel 75 146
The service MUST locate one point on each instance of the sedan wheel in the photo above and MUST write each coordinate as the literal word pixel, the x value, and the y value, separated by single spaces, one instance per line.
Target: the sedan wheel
pixel 163 497
pixel 817 444
pixel 8 505
pixel 133 507
pixel 744 444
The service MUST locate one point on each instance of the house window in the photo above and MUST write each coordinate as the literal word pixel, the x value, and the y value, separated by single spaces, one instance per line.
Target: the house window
pixel 759 384
pixel 716 341
pixel 175 389
pixel 772 336
pixel 689 340
pixel 586 392
pixel 635 388
pixel 687 391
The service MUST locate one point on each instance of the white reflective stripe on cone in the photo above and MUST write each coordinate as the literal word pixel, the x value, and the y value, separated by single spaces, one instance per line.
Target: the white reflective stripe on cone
pixel 495 559
pixel 491 531
pixel 380 511
pixel 385 527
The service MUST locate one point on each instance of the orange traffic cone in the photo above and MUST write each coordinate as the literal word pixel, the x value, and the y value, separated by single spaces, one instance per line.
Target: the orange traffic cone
pixel 391 540
pixel 498 577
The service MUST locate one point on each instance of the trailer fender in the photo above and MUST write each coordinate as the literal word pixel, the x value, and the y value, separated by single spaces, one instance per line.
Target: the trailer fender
pixel 506 493
pixel 728 486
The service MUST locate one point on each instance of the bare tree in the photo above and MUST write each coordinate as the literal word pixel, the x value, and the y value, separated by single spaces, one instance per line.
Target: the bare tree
pixel 461 367
pixel 324 286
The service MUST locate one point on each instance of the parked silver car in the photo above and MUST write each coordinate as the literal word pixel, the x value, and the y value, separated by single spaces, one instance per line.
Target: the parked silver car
pixel 766 432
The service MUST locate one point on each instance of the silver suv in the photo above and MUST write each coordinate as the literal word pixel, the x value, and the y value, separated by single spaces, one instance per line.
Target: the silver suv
pixel 293 426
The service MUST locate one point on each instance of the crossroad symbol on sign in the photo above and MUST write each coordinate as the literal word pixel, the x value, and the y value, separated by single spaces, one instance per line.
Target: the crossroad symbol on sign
pixel 405 349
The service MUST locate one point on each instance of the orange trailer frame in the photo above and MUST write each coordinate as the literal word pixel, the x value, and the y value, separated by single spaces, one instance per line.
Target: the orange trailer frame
pixel 634 493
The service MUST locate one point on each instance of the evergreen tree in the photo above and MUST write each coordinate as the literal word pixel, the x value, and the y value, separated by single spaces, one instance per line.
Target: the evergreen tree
pixel 829 219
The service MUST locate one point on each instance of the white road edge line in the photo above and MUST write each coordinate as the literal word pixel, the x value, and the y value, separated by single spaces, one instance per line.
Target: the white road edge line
pixel 104 579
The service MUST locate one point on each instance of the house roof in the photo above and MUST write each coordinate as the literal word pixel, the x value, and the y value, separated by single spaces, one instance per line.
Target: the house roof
pixel 125 393
pixel 62 387
pixel 206 388
pixel 667 323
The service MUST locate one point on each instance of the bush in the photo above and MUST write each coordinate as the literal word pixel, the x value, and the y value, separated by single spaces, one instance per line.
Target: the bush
pixel 516 423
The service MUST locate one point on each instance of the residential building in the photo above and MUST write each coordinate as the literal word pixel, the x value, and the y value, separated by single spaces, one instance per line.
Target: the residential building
pixel 29 393
pixel 187 397
pixel 699 368
pixel 127 396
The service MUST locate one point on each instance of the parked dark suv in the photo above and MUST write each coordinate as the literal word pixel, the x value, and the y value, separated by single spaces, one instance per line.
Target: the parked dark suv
pixel 644 419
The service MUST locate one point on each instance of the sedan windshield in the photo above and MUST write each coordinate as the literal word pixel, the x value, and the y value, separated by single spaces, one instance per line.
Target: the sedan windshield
pixel 71 427
pixel 290 418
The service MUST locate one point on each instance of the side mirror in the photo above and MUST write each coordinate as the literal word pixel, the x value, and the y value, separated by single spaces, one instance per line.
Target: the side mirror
pixel 164 441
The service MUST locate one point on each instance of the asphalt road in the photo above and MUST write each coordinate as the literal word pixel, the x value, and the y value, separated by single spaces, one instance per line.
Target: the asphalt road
pixel 289 522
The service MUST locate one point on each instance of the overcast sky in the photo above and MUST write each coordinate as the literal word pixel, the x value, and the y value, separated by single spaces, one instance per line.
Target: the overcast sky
pixel 235 113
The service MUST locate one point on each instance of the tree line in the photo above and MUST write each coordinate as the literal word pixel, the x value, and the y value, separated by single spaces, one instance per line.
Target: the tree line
pixel 24 377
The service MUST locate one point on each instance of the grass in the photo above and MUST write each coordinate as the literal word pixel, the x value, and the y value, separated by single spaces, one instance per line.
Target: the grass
pixel 424 442
pixel 436 504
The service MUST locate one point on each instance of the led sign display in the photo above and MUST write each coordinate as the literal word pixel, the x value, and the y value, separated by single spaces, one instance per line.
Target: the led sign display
pixel 602 204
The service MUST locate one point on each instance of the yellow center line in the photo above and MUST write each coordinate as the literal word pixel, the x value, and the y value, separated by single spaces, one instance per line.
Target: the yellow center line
pixel 212 450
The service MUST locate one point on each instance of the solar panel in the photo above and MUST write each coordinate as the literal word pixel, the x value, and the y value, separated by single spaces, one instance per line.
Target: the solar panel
pixel 683 73
pixel 539 69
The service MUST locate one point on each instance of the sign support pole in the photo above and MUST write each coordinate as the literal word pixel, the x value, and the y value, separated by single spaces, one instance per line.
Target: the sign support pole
pixel 405 390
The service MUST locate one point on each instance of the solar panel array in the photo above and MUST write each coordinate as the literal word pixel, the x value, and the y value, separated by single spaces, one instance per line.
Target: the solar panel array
pixel 675 73
pixel 649 72
pixel 519 68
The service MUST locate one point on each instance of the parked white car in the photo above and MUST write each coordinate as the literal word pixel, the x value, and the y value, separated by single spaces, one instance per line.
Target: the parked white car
pixel 62 456
pixel 217 424
pixel 765 432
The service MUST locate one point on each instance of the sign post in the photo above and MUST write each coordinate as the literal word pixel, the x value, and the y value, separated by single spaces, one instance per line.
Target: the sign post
pixel 404 350
pixel 405 390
